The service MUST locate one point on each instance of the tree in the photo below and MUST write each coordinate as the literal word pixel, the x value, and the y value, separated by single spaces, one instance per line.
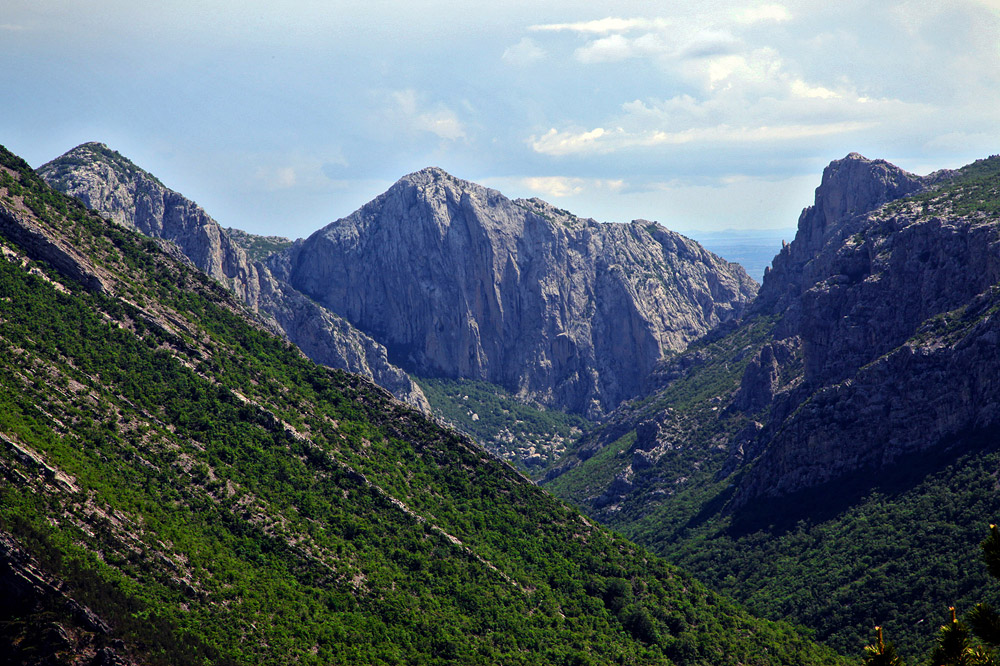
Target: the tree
pixel 881 653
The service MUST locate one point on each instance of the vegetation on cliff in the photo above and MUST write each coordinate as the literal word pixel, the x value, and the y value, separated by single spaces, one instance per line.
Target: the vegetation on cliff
pixel 213 496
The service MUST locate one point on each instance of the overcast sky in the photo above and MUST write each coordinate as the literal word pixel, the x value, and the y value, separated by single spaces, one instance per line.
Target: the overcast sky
pixel 279 117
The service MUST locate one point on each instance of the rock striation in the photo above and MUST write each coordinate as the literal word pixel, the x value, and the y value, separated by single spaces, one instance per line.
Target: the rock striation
pixel 457 280
pixel 872 341
pixel 110 184
pixel 894 307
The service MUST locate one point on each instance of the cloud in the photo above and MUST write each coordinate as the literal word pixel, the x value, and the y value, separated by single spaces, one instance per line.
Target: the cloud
pixel 438 119
pixel 558 187
pixel 555 142
pixel 601 141
pixel 618 47
pixel 273 178
pixel 602 26
pixel 524 52
pixel 11 27
pixel 762 13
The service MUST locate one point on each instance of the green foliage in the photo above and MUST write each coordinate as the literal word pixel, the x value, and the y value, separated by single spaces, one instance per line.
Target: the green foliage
pixel 257 247
pixel 525 435
pixel 881 653
pixel 974 191
pixel 217 498
pixel 953 646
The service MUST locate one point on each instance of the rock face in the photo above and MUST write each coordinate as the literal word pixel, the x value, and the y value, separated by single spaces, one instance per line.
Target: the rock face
pixel 112 185
pixel 872 341
pixel 895 311
pixel 456 280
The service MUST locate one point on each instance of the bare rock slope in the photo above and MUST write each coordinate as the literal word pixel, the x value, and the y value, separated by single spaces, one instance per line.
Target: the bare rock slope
pixel 112 185
pixel 894 308
pixel 458 281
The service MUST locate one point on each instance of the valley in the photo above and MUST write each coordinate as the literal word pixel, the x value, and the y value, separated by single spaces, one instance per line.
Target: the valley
pixel 822 448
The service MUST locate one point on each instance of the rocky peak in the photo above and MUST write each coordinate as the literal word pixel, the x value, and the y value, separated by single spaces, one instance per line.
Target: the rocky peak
pixel 112 185
pixel 459 281
pixel 896 317
pixel 850 188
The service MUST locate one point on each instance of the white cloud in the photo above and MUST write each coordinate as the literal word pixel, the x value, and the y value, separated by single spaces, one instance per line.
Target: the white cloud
pixel 555 142
pixel 438 119
pixel 11 27
pixel 762 13
pixel 600 141
pixel 524 52
pixel 618 47
pixel 602 26
pixel 442 122
pixel 558 187
pixel 800 88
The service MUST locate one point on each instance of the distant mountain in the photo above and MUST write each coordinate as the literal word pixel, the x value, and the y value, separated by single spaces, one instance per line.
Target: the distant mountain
pixel 180 486
pixel 832 438
pixel 457 281
pixel 109 183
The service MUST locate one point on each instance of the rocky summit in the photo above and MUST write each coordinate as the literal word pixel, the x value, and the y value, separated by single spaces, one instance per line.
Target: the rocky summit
pixel 833 456
pixel 893 307
pixel 458 281
pixel 112 185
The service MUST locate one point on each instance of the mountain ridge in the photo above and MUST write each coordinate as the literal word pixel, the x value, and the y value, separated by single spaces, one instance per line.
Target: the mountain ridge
pixel 130 196
pixel 214 496
pixel 860 385
pixel 459 281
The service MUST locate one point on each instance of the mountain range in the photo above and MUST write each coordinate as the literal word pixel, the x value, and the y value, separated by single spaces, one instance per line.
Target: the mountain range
pixel 858 389
pixel 454 280
pixel 823 449
pixel 180 485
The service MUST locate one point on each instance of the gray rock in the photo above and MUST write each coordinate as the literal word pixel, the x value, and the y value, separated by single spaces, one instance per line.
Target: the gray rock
pixel 115 187
pixel 896 312
pixel 456 280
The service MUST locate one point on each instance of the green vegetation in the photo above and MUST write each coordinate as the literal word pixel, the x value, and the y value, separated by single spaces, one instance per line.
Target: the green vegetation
pixel 974 191
pixel 258 248
pixel 528 437
pixel 120 163
pixel 691 408
pixel 975 642
pixel 883 549
pixel 217 498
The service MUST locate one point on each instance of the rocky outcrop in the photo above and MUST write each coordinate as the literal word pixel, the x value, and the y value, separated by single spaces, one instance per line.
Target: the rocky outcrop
pixel 896 311
pixel 850 188
pixel 41 624
pixel 110 184
pixel 456 280
pixel 56 252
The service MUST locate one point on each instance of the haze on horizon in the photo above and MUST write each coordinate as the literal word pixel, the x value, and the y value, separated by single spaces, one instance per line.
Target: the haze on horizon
pixel 279 118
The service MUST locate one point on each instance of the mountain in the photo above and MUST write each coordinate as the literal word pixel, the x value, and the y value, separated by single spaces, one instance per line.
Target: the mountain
pixel 109 183
pixel 178 485
pixel 458 281
pixel 831 458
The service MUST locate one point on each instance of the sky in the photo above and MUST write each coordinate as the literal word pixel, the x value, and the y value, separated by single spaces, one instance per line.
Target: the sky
pixel 280 117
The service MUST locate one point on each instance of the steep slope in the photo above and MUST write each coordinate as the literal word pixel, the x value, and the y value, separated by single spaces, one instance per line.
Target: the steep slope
pixel 112 185
pixel 460 282
pixel 202 493
pixel 817 460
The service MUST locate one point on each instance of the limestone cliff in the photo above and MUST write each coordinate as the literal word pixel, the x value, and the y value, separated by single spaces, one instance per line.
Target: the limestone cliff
pixel 896 315
pixel 459 281
pixel 111 184
pixel 873 338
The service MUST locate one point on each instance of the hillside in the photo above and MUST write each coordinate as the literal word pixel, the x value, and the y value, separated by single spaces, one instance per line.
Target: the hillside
pixel 111 184
pixel 832 459
pixel 178 486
